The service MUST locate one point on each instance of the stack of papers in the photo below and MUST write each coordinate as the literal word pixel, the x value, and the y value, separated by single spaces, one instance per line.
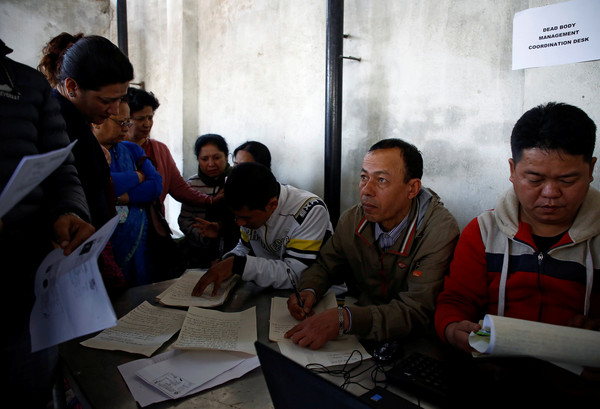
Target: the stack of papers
pixel 503 336
pixel 70 297
pixel 176 373
pixel 212 348
pixel 142 331
pixel 180 293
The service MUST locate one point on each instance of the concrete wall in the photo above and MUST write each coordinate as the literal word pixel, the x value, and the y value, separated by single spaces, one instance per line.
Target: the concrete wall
pixel 436 73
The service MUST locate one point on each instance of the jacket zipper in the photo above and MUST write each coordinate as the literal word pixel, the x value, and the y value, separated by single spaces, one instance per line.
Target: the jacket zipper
pixel 540 258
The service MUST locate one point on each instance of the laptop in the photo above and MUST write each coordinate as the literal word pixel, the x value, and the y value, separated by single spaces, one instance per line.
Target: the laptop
pixel 293 386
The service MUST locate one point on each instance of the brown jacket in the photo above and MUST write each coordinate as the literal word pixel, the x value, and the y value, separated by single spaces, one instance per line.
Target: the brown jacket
pixel 396 289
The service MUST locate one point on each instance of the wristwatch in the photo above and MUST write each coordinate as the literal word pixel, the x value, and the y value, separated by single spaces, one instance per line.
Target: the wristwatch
pixel 341 320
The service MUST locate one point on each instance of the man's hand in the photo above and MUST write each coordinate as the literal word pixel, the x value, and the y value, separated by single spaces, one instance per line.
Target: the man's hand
pixel 207 229
pixel 315 331
pixel 70 231
pixel 457 334
pixel 308 299
pixel 216 274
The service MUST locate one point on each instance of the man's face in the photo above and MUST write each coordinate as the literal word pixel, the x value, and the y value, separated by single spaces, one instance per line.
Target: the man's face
pixel 384 194
pixel 254 219
pixel 550 186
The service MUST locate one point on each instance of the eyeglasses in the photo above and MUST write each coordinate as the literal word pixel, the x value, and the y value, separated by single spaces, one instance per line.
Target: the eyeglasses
pixel 126 123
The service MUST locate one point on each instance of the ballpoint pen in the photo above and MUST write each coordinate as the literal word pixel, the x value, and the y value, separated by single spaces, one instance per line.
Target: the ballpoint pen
pixel 291 276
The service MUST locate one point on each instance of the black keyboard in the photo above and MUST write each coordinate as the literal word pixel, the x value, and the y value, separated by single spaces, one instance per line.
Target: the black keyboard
pixel 422 376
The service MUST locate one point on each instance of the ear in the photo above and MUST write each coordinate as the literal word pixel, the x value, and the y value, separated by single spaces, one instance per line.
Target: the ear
pixel 71 86
pixel 592 164
pixel 272 204
pixel 414 187
pixel 513 165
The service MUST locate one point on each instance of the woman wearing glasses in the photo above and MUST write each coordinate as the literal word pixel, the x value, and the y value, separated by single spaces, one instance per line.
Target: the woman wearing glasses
pixel 136 184
pixel 89 76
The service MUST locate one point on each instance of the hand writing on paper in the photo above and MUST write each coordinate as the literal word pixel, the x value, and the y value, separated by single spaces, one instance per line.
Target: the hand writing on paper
pixel 308 299
pixel 315 331
pixel 216 274
pixel 457 334
pixel 70 231
pixel 207 229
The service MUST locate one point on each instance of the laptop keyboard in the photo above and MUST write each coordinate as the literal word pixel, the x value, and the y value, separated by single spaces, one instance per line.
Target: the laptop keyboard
pixel 423 376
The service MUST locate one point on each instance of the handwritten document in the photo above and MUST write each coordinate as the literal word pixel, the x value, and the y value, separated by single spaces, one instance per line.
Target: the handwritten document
pixel 554 343
pixel 142 331
pixel 338 351
pixel 70 297
pixel 281 321
pixel 30 172
pixel 216 330
pixel 180 293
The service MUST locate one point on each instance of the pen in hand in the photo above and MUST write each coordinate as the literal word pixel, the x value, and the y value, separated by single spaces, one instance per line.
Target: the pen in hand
pixel 291 276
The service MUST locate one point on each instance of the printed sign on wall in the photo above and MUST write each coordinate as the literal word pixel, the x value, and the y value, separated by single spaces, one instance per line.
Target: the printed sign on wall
pixel 562 33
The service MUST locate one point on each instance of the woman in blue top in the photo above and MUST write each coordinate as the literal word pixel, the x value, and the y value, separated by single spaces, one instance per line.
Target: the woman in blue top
pixel 136 184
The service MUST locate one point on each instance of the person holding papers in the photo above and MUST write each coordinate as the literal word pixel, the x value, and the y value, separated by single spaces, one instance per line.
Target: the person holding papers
pixel 392 250
pixel 90 76
pixel 282 229
pixel 536 256
pixel 54 212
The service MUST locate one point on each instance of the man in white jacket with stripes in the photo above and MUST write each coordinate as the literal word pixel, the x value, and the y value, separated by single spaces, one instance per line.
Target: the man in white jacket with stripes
pixel 282 229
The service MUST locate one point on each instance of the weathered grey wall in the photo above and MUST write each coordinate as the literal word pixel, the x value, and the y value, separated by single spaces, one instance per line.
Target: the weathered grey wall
pixel 436 73
pixel 27 25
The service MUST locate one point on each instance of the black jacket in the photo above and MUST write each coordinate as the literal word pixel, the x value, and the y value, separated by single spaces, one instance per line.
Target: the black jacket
pixel 31 123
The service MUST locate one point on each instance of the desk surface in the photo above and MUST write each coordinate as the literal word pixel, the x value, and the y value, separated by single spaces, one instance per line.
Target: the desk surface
pixel 97 382
pixel 94 376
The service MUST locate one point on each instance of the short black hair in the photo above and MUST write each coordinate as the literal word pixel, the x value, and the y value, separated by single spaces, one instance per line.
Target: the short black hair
pixel 258 150
pixel 250 184
pixel 554 127
pixel 138 99
pixel 413 161
pixel 215 139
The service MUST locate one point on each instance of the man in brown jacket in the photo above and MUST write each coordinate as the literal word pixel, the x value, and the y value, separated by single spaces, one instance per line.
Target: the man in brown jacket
pixel 392 250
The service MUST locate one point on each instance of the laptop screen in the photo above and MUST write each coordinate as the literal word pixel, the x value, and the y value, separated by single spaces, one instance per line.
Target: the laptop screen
pixel 292 386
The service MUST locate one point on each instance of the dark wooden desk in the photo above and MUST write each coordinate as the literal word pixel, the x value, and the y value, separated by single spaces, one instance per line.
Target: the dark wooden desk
pixel 488 382
pixel 97 382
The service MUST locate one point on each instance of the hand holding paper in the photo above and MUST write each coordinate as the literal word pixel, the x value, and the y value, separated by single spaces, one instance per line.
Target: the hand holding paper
pixel 555 343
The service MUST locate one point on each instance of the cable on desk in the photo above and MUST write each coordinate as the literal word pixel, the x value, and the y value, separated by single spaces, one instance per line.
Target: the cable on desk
pixel 346 372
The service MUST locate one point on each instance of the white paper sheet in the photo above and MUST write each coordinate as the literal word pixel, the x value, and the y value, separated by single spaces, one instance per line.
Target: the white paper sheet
pixel 554 343
pixel 281 321
pixel 145 394
pixel 71 299
pixel 216 330
pixel 30 172
pixel 337 351
pixel 180 293
pixel 561 33
pixel 142 331
pixel 188 370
